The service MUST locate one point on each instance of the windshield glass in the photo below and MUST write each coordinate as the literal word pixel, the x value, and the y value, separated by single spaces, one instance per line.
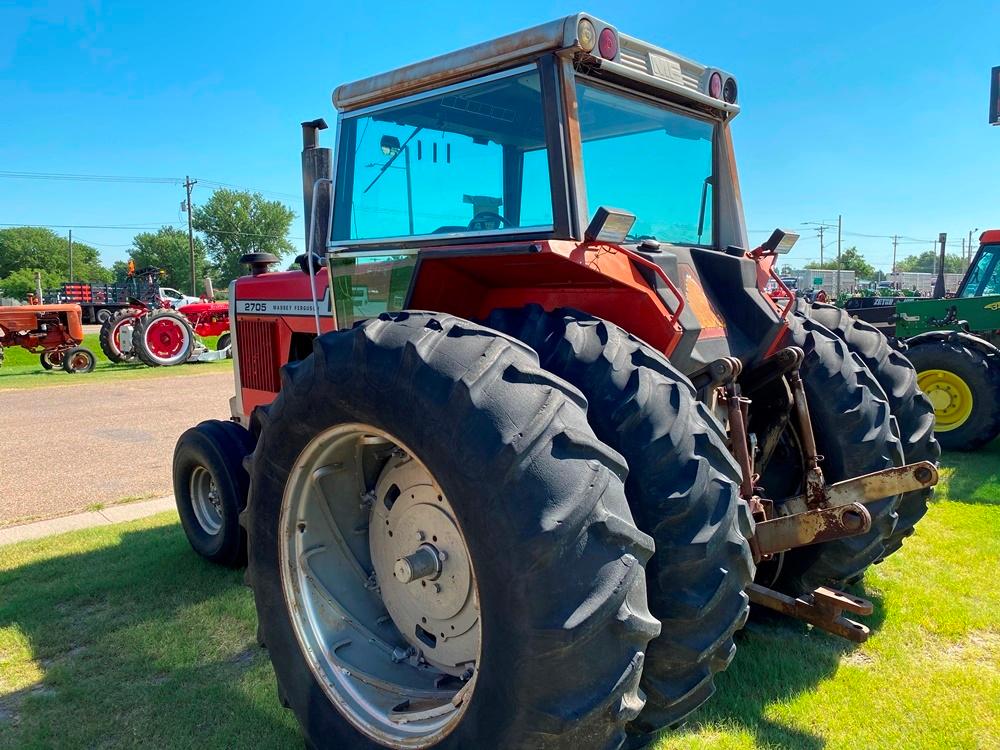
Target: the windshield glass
pixel 984 278
pixel 649 160
pixel 471 159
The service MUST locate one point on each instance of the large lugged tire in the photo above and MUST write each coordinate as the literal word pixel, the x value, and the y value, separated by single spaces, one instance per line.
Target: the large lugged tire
pixel 854 434
pixel 111 330
pixel 211 488
pixel 682 489
pixel 965 389
pixel 913 411
pixel 163 338
pixel 531 501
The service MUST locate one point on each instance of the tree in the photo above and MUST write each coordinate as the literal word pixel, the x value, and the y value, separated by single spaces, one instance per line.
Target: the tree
pixel 20 283
pixel 851 259
pixel 927 261
pixel 39 248
pixel 168 249
pixel 236 222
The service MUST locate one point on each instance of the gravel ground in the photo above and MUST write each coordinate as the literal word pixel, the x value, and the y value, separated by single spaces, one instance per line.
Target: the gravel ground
pixel 66 448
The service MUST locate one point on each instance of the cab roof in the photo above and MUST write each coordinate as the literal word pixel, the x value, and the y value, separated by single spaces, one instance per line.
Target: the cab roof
pixel 643 63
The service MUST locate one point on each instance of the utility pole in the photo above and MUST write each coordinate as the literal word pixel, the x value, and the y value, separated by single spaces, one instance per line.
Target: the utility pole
pixel 895 240
pixel 188 184
pixel 837 292
pixel 969 246
pixel 820 245
pixel 70 254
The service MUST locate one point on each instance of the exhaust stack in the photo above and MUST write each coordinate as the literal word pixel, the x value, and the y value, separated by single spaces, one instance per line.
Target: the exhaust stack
pixel 317 162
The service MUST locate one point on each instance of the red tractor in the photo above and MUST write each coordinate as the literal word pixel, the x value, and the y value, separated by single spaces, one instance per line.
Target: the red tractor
pixel 160 336
pixel 508 464
pixel 53 332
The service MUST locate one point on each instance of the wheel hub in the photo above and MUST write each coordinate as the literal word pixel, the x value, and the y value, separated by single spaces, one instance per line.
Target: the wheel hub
pixel 423 567
pixel 205 501
pixel 165 338
pixel 950 395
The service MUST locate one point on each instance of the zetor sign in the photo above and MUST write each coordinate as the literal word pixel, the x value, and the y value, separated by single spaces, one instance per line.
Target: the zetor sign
pixel 995 96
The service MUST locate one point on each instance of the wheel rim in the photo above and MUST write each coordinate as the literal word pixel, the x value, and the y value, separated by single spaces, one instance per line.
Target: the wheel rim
pixel 54 358
pixel 205 501
pixel 79 361
pixel 389 624
pixel 167 340
pixel 950 395
pixel 117 330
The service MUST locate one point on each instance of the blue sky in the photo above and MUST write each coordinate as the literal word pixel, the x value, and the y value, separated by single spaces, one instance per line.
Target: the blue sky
pixel 876 111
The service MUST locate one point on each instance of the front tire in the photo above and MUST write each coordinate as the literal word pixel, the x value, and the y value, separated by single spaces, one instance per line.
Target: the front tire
pixel 964 388
pixel 211 488
pixel 79 360
pixel 51 359
pixel 682 489
pixel 537 499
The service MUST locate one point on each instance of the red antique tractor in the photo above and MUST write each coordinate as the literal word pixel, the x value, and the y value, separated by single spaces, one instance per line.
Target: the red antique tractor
pixel 54 332
pixel 160 336
pixel 508 464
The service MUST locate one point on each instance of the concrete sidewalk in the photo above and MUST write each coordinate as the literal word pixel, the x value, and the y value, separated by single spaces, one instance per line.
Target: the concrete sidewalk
pixel 105 517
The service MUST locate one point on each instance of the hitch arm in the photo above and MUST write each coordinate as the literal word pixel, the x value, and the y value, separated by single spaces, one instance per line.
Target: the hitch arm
pixel 870 487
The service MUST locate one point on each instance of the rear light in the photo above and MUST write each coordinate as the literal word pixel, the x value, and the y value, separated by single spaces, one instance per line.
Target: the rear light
pixel 586 35
pixel 608 44
pixel 729 91
pixel 715 86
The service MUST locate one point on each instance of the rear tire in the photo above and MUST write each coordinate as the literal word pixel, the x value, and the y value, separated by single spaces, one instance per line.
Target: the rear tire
pixel 537 497
pixel 163 338
pixel 111 330
pixel 913 411
pixel 951 375
pixel 223 342
pixel 682 489
pixel 854 434
pixel 103 315
pixel 211 488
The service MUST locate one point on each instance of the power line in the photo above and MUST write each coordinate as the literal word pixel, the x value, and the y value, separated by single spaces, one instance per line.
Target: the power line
pixel 90 177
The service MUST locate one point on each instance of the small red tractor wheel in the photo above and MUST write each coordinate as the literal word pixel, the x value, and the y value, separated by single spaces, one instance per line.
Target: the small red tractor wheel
pixel 51 359
pixel 79 359
pixel 224 341
pixel 163 338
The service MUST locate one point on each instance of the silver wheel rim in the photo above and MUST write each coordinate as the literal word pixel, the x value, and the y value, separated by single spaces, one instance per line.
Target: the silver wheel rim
pixel 380 586
pixel 205 501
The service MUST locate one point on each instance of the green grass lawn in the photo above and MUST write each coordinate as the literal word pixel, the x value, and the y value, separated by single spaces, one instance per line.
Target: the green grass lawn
pixel 22 369
pixel 120 636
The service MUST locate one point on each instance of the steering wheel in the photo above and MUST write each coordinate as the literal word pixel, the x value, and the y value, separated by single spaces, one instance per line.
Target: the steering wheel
pixel 478 222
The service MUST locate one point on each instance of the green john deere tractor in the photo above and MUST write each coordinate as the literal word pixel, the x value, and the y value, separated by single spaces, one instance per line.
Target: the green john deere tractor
pixel 952 343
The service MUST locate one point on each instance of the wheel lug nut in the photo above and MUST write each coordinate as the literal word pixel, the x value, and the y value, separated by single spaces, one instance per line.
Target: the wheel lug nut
pixel 421 536
pixel 436 587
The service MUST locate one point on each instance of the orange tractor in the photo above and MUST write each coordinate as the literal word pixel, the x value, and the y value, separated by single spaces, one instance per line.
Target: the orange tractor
pixel 516 445
pixel 54 332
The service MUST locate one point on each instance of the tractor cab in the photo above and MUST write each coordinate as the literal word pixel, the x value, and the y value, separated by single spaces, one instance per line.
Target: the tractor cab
pixel 563 163
pixel 983 277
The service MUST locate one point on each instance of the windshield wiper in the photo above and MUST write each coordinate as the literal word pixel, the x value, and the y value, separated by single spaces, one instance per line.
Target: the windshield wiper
pixel 701 213
pixel 385 167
